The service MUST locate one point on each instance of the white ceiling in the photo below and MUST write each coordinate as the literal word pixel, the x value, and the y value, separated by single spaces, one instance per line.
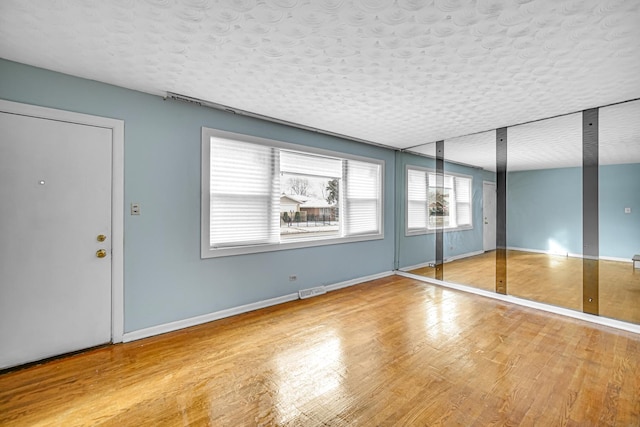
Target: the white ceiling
pixel 551 143
pixel 394 72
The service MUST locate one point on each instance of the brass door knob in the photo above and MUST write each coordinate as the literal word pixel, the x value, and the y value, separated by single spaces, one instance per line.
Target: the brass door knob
pixel 101 253
pixel 101 238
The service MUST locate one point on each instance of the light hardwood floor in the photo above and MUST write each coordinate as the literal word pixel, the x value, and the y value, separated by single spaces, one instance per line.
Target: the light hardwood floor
pixel 551 279
pixel 394 351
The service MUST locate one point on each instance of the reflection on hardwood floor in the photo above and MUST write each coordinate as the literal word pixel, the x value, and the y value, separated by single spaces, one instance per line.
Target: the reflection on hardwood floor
pixel 551 279
pixel 393 351
pixel 478 271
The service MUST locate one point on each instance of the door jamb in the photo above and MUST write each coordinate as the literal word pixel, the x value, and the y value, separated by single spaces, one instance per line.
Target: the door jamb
pixel 117 194
pixel 495 186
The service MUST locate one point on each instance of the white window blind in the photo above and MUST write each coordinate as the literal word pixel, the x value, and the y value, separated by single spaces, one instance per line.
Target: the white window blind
pixel 462 193
pixel 363 197
pixel 417 195
pixel 309 164
pixel 244 185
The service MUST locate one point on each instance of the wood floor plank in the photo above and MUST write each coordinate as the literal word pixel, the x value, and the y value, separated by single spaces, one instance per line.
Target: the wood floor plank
pixel 394 351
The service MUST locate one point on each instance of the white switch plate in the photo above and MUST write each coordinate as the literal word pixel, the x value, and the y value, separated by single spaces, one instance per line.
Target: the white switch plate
pixel 627 210
pixel 135 208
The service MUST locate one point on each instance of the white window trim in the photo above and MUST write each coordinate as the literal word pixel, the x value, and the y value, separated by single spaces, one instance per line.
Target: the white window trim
pixel 423 231
pixel 207 252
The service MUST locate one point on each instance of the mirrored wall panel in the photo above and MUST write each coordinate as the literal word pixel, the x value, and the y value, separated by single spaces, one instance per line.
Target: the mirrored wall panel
pixel 544 211
pixel 469 204
pixel 450 210
pixel 619 211
pixel 418 243
pixel 558 225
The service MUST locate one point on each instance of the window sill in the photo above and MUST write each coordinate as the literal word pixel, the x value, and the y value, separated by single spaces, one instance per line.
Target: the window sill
pixel 207 252
pixel 420 232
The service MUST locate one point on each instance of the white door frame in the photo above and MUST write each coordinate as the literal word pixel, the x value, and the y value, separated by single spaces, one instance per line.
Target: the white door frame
pixel 494 219
pixel 117 195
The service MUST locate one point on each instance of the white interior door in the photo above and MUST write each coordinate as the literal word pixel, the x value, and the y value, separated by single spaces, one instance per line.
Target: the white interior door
pixel 489 215
pixel 55 193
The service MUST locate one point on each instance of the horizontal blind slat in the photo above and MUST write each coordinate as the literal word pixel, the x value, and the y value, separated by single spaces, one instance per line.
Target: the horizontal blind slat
pixel 416 185
pixel 417 215
pixel 463 200
pixel 310 164
pixel 363 197
pixel 244 185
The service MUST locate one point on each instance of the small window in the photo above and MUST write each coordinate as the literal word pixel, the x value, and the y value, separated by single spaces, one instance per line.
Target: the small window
pixel 261 195
pixel 432 204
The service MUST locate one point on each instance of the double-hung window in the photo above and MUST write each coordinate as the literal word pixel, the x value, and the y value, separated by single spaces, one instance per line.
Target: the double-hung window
pixel 261 195
pixel 437 201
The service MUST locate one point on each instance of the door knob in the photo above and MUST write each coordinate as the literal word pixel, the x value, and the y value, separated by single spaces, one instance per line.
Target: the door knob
pixel 101 238
pixel 101 253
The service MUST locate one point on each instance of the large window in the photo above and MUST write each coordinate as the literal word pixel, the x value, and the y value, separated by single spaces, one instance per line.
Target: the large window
pixel 261 195
pixel 437 201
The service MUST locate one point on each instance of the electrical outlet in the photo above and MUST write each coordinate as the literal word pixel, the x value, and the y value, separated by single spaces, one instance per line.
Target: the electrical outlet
pixel 293 278
pixel 135 208
pixel 627 210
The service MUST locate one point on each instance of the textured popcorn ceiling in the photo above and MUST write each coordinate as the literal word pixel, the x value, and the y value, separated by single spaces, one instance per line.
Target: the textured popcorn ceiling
pixel 394 72
pixel 550 143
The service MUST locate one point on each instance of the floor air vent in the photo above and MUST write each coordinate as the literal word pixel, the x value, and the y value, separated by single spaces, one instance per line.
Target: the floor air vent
pixel 312 292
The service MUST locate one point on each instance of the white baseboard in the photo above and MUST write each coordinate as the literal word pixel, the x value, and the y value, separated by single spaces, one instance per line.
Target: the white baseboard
pixel 538 251
pixel 568 254
pixel 446 260
pixel 461 256
pixel 193 321
pixel 605 321
pixel 416 266
pixel 359 280
pixel 210 317
pixel 611 258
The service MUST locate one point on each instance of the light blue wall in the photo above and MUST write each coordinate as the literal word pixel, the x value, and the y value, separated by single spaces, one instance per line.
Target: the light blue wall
pixel 165 280
pixel 415 250
pixel 619 189
pixel 544 208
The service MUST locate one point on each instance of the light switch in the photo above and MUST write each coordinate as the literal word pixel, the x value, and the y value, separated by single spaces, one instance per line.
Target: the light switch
pixel 627 210
pixel 135 208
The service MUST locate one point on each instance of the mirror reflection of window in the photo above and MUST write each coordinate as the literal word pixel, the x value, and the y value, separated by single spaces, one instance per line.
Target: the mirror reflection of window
pixel 469 253
pixel 432 204
pixel 467 217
